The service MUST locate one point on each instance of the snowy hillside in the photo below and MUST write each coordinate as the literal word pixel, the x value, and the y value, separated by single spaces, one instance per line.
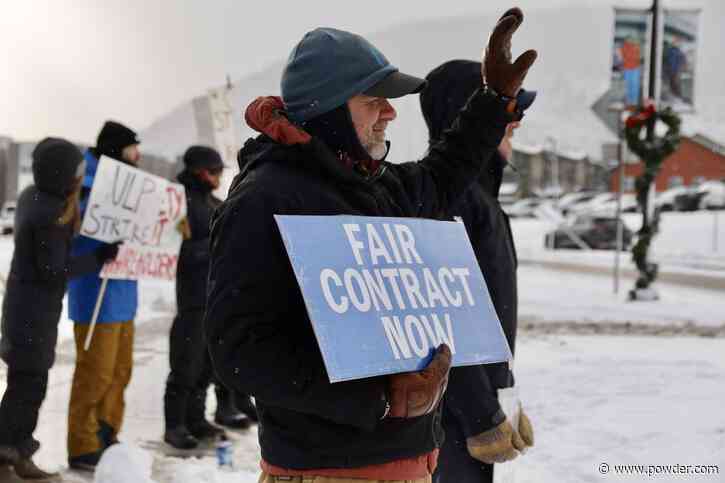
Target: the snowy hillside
pixel 571 73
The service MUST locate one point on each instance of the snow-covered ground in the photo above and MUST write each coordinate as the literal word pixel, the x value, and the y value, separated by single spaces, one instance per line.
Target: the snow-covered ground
pixel 593 399
pixel 546 295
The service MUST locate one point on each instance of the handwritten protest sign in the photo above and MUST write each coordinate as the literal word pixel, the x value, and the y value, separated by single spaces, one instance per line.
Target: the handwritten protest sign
pixel 141 209
pixel 226 137
pixel 382 293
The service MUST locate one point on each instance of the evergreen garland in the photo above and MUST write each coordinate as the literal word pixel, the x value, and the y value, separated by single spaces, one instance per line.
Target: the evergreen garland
pixel 652 152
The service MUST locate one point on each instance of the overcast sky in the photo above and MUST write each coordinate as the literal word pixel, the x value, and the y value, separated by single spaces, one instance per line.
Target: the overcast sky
pixel 66 65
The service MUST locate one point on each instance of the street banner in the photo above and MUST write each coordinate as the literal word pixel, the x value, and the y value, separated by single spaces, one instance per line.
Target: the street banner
pixel 142 210
pixel 383 293
pixel 630 59
pixel 679 57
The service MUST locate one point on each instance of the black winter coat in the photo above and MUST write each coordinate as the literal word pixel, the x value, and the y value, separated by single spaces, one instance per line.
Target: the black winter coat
pixel 260 337
pixel 193 266
pixel 471 401
pixel 40 268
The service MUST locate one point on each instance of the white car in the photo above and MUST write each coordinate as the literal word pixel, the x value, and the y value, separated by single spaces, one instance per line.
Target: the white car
pixel 609 208
pixel 7 218
pixel 569 200
pixel 713 195
pixel 665 201
pixel 593 204
pixel 523 208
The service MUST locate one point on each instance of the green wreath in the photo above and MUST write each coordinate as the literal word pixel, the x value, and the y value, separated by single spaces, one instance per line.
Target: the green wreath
pixel 656 150
pixel 652 152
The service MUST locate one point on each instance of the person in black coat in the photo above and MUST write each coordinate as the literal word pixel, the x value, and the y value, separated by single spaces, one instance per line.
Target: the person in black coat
pixel 191 372
pixel 471 406
pixel 331 162
pixel 46 219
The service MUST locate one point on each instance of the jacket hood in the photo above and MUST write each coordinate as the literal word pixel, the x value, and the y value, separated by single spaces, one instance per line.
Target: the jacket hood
pixel 56 165
pixel 449 88
pixel 334 129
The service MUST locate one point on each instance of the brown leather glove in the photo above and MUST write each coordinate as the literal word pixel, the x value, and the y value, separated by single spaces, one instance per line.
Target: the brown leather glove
pixel 526 430
pixel 414 394
pixel 502 443
pixel 497 70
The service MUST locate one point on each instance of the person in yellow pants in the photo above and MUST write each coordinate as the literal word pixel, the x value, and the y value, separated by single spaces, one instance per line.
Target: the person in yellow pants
pixel 101 376
pixel 95 412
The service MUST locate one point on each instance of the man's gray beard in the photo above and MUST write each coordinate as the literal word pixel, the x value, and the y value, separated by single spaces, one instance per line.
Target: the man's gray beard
pixel 376 150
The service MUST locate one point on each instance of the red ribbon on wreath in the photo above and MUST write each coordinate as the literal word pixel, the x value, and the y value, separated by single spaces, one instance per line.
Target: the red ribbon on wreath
pixel 641 117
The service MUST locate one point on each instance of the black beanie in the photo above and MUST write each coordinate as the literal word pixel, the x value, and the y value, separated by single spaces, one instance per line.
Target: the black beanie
pixel 113 137
pixel 55 165
pixel 197 157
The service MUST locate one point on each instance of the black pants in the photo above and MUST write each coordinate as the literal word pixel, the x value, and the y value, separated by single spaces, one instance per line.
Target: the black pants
pixel 455 465
pixel 19 410
pixel 191 372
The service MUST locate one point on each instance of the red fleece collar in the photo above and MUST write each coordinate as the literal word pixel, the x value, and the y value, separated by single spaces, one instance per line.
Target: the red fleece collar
pixel 265 116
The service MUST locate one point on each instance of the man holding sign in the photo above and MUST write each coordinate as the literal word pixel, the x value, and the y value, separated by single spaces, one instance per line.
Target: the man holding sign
pixel 95 411
pixel 322 153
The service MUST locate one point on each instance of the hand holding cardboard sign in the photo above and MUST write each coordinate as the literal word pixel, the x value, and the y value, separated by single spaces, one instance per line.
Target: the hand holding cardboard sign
pixel 414 394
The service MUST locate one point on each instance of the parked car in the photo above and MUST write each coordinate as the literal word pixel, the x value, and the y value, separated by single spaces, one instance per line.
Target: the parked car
pixel 7 218
pixel 689 200
pixel 609 208
pixel 525 208
pixel 598 232
pixel 593 204
pixel 665 201
pixel 569 200
pixel 709 195
pixel 713 195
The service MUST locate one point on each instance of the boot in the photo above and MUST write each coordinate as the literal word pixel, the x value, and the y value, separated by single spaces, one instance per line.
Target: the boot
pixel 203 429
pixel 246 406
pixel 8 455
pixel 26 469
pixel 106 434
pixel 180 438
pixel 227 414
pixel 7 474
pixel 85 462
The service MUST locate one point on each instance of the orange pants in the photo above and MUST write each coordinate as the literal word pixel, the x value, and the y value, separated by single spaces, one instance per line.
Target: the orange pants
pixel 99 381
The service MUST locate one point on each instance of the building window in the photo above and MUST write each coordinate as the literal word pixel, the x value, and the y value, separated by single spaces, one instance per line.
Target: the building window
pixel 698 180
pixel 675 181
pixel 628 184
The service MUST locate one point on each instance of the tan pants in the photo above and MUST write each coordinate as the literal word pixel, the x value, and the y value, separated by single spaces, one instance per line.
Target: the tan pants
pixel 265 478
pixel 100 378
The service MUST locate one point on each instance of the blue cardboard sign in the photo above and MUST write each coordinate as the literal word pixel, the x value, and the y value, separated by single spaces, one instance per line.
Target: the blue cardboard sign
pixel 383 293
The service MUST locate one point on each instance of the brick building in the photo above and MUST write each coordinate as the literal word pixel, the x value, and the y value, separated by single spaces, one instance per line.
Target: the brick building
pixel 697 159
